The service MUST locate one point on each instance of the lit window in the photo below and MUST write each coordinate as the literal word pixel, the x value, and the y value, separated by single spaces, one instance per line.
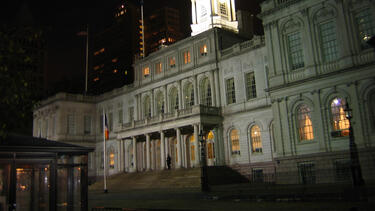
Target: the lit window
pixel 114 60
pixel 329 41
pixel 231 92
pixel 305 128
pixel 158 68
pixel 115 71
pixel 251 91
pixel 256 140
pixel 146 72
pixel 172 62
pixel 112 160
pixel 97 67
pixel 187 58
pixel 192 148
pixel 295 50
pixel 366 26
pixel 235 141
pixel 340 124
pixel 203 50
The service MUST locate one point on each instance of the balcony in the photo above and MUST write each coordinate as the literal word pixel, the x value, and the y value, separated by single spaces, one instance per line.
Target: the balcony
pixel 194 111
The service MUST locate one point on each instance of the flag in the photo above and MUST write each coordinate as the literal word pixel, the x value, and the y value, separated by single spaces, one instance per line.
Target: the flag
pixel 106 131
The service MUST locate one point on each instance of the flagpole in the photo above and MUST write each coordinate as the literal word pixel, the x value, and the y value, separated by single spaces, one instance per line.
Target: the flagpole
pixel 87 58
pixel 104 152
pixel 143 31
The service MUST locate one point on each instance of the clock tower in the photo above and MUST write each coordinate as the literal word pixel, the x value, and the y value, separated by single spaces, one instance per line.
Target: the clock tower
pixel 207 14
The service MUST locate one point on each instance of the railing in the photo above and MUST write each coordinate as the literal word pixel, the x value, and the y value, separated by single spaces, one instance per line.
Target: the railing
pixel 194 110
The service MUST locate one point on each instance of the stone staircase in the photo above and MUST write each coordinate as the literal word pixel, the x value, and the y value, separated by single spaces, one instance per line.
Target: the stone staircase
pixel 166 179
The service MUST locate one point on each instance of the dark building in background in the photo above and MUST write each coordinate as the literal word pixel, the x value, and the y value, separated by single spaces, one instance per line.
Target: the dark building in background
pixel 162 28
pixel 115 49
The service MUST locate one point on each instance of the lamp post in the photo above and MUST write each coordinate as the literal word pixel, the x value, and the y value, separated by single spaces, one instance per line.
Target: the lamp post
pixel 355 166
pixel 204 179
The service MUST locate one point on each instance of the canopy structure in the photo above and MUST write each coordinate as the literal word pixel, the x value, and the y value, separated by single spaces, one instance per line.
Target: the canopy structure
pixel 39 174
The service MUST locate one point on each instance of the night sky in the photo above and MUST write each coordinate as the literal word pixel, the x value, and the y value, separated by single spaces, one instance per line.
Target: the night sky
pixel 62 20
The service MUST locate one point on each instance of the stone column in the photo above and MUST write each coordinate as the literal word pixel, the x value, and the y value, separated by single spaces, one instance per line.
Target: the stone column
pixel 162 153
pixel 148 164
pixel 196 145
pixel 179 157
pixel 166 109
pixel 134 153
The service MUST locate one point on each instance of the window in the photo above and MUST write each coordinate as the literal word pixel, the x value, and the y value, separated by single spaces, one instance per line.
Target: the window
pixel 306 171
pixel 120 117
pixel 256 140
pixel 205 92
pixel 365 26
pixel 203 50
pixel 189 95
pixel 295 50
pixel 87 124
pixel 251 91
pixel 131 114
pixel 235 141
pixel 71 124
pixel 110 121
pixel 187 58
pixel 231 92
pixel 223 8
pixel 172 62
pixel 257 175
pixel 147 107
pixel 111 159
pixel 146 72
pixel 305 129
pixel 372 109
pixel 158 68
pixel 340 124
pixel 343 172
pixel 192 148
pixel 159 103
pixel 329 41
pixel 210 145
pixel 173 99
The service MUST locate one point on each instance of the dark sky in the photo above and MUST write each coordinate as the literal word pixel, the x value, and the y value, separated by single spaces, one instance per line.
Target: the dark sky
pixel 61 20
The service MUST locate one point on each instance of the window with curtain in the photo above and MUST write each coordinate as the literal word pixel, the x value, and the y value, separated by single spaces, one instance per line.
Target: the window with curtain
pixel 304 123
pixel 256 140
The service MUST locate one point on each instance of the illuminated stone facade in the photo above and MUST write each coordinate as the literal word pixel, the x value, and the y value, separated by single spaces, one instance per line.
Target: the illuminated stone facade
pixel 267 106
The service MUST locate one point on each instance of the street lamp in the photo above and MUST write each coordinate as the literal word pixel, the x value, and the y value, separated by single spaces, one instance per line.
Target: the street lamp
pixel 355 166
pixel 204 178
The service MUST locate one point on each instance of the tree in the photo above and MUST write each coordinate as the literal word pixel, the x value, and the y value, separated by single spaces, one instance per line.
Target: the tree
pixel 21 77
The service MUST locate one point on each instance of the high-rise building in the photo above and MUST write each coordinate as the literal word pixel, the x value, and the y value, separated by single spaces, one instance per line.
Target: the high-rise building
pixel 114 50
pixel 162 28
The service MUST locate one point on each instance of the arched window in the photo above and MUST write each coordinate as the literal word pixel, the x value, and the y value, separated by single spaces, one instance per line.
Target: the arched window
pixel 173 99
pixel 147 107
pixel 256 140
pixel 340 124
pixel 205 92
pixel 304 123
pixel 189 95
pixel 192 148
pixel 159 103
pixel 235 141
pixel 372 109
pixel 210 145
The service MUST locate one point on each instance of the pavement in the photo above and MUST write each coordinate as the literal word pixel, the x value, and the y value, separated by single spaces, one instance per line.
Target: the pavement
pixel 194 199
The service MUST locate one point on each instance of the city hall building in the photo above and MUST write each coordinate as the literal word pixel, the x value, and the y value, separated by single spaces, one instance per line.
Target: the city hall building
pixel 272 105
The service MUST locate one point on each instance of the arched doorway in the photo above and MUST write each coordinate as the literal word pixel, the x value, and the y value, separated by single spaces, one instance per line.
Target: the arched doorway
pixel 210 148
pixel 190 151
